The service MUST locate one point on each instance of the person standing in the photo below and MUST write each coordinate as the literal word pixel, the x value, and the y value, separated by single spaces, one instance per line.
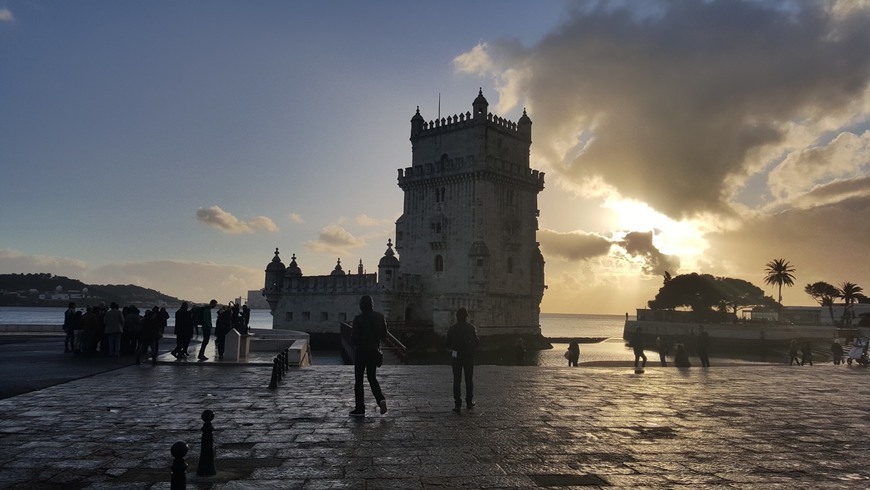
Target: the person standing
pixel 637 346
pixel 149 336
pixel 681 356
pixel 462 341
pixel 206 328
pixel 132 327
pixel 573 353
pixel 793 354
pixel 807 353
pixel 664 350
pixel 69 320
pixel 703 346
pixel 114 325
pixel 246 319
pixel 369 328
pixel 183 331
pixel 223 325
pixel 837 352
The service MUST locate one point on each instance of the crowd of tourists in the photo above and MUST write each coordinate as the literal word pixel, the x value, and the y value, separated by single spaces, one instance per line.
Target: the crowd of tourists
pixel 113 331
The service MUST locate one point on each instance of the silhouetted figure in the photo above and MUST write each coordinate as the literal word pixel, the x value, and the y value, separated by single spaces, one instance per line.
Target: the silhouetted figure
pixel 246 319
pixel 86 325
pixel 462 341
pixel 162 320
pixel 637 346
pixel 681 356
pixel 132 326
pixel 837 352
pixel 69 321
pixel 113 324
pixel 664 350
pixel 206 328
pixel 369 328
pixel 183 331
pixel 573 354
pixel 223 325
pixel 149 336
pixel 807 353
pixel 703 345
pixel 793 354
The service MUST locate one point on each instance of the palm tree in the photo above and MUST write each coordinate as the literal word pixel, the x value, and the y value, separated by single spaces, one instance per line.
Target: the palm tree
pixel 850 292
pixel 824 293
pixel 779 272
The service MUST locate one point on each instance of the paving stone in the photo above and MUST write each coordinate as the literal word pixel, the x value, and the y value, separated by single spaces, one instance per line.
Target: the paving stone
pixel 729 427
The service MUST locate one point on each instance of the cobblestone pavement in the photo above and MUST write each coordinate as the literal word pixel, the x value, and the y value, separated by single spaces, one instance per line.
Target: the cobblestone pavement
pixel 727 427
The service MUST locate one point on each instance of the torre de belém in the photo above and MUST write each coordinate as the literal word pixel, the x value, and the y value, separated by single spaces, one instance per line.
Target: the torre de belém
pixel 466 237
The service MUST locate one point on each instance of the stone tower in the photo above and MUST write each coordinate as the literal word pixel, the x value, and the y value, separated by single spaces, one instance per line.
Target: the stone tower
pixel 469 220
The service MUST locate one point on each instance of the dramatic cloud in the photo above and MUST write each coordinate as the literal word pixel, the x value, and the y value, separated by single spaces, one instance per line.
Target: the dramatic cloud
pixel 227 223
pixel 15 262
pixel 572 246
pixel 640 244
pixel 336 240
pixel 678 104
pixel 6 15
pixel 846 157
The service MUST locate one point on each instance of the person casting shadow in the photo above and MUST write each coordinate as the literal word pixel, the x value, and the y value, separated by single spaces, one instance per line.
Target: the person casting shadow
pixel 462 340
pixel 369 328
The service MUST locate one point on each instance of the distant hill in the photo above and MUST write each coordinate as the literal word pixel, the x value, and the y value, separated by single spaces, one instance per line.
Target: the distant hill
pixel 42 289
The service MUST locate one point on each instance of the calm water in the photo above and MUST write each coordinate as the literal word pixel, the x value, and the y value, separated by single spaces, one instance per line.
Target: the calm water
pixel 552 325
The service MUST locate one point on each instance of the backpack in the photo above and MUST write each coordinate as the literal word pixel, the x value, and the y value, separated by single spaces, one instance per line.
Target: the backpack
pixel 196 315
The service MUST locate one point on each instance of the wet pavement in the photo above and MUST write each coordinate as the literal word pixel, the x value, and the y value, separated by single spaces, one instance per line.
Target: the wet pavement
pixel 764 426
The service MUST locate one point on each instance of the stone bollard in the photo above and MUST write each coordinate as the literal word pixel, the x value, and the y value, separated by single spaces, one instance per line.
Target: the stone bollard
pixel 274 382
pixel 287 359
pixel 280 371
pixel 285 365
pixel 206 455
pixel 179 467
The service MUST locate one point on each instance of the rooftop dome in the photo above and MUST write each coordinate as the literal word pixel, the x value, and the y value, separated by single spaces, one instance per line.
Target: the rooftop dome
pixel 338 271
pixel 275 265
pixel 293 269
pixel 525 119
pixel 480 98
pixel 389 259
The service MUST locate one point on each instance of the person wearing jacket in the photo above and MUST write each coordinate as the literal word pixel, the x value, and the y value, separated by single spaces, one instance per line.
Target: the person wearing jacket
pixel 369 328
pixel 462 341
pixel 114 325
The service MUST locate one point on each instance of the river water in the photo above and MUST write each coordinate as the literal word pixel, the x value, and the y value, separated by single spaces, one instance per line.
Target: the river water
pixel 552 325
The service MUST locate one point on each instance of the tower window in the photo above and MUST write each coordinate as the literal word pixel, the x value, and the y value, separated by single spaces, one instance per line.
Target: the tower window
pixel 439 263
pixel 439 194
pixel 436 226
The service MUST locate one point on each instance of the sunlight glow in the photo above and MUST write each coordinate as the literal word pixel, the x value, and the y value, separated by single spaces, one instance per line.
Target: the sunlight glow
pixel 682 238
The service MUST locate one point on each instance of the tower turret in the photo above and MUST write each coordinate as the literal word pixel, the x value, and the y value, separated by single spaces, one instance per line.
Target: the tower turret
pixel 274 280
pixel 388 267
pixel 524 126
pixel 480 106
pixel 416 124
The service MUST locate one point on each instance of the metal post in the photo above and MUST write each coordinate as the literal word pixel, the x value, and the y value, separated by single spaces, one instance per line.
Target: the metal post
pixel 179 467
pixel 274 382
pixel 206 456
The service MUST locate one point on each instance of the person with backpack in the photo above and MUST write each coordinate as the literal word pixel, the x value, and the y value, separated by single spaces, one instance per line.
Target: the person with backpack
pixel 462 341
pixel 204 319
pixel 369 328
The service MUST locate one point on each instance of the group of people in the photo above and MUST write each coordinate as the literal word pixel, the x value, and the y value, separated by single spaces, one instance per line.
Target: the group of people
pixel 370 328
pixel 113 331
pixel 681 354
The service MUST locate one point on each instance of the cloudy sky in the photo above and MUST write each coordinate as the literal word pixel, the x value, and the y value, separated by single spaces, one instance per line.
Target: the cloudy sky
pixel 175 145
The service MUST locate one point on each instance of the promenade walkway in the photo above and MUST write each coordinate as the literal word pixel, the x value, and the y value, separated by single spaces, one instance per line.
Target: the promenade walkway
pixel 723 427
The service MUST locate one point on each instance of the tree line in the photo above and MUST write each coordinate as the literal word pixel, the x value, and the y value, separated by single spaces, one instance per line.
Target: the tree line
pixel 705 293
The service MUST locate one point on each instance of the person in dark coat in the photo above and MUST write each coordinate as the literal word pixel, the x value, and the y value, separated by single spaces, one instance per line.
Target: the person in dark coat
pixel 369 328
pixel 462 341
pixel 807 353
pixel 573 353
pixel 681 356
pixel 69 323
pixel 246 319
pixel 183 331
pixel 837 352
pixel 223 325
pixel 637 346
pixel 149 337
